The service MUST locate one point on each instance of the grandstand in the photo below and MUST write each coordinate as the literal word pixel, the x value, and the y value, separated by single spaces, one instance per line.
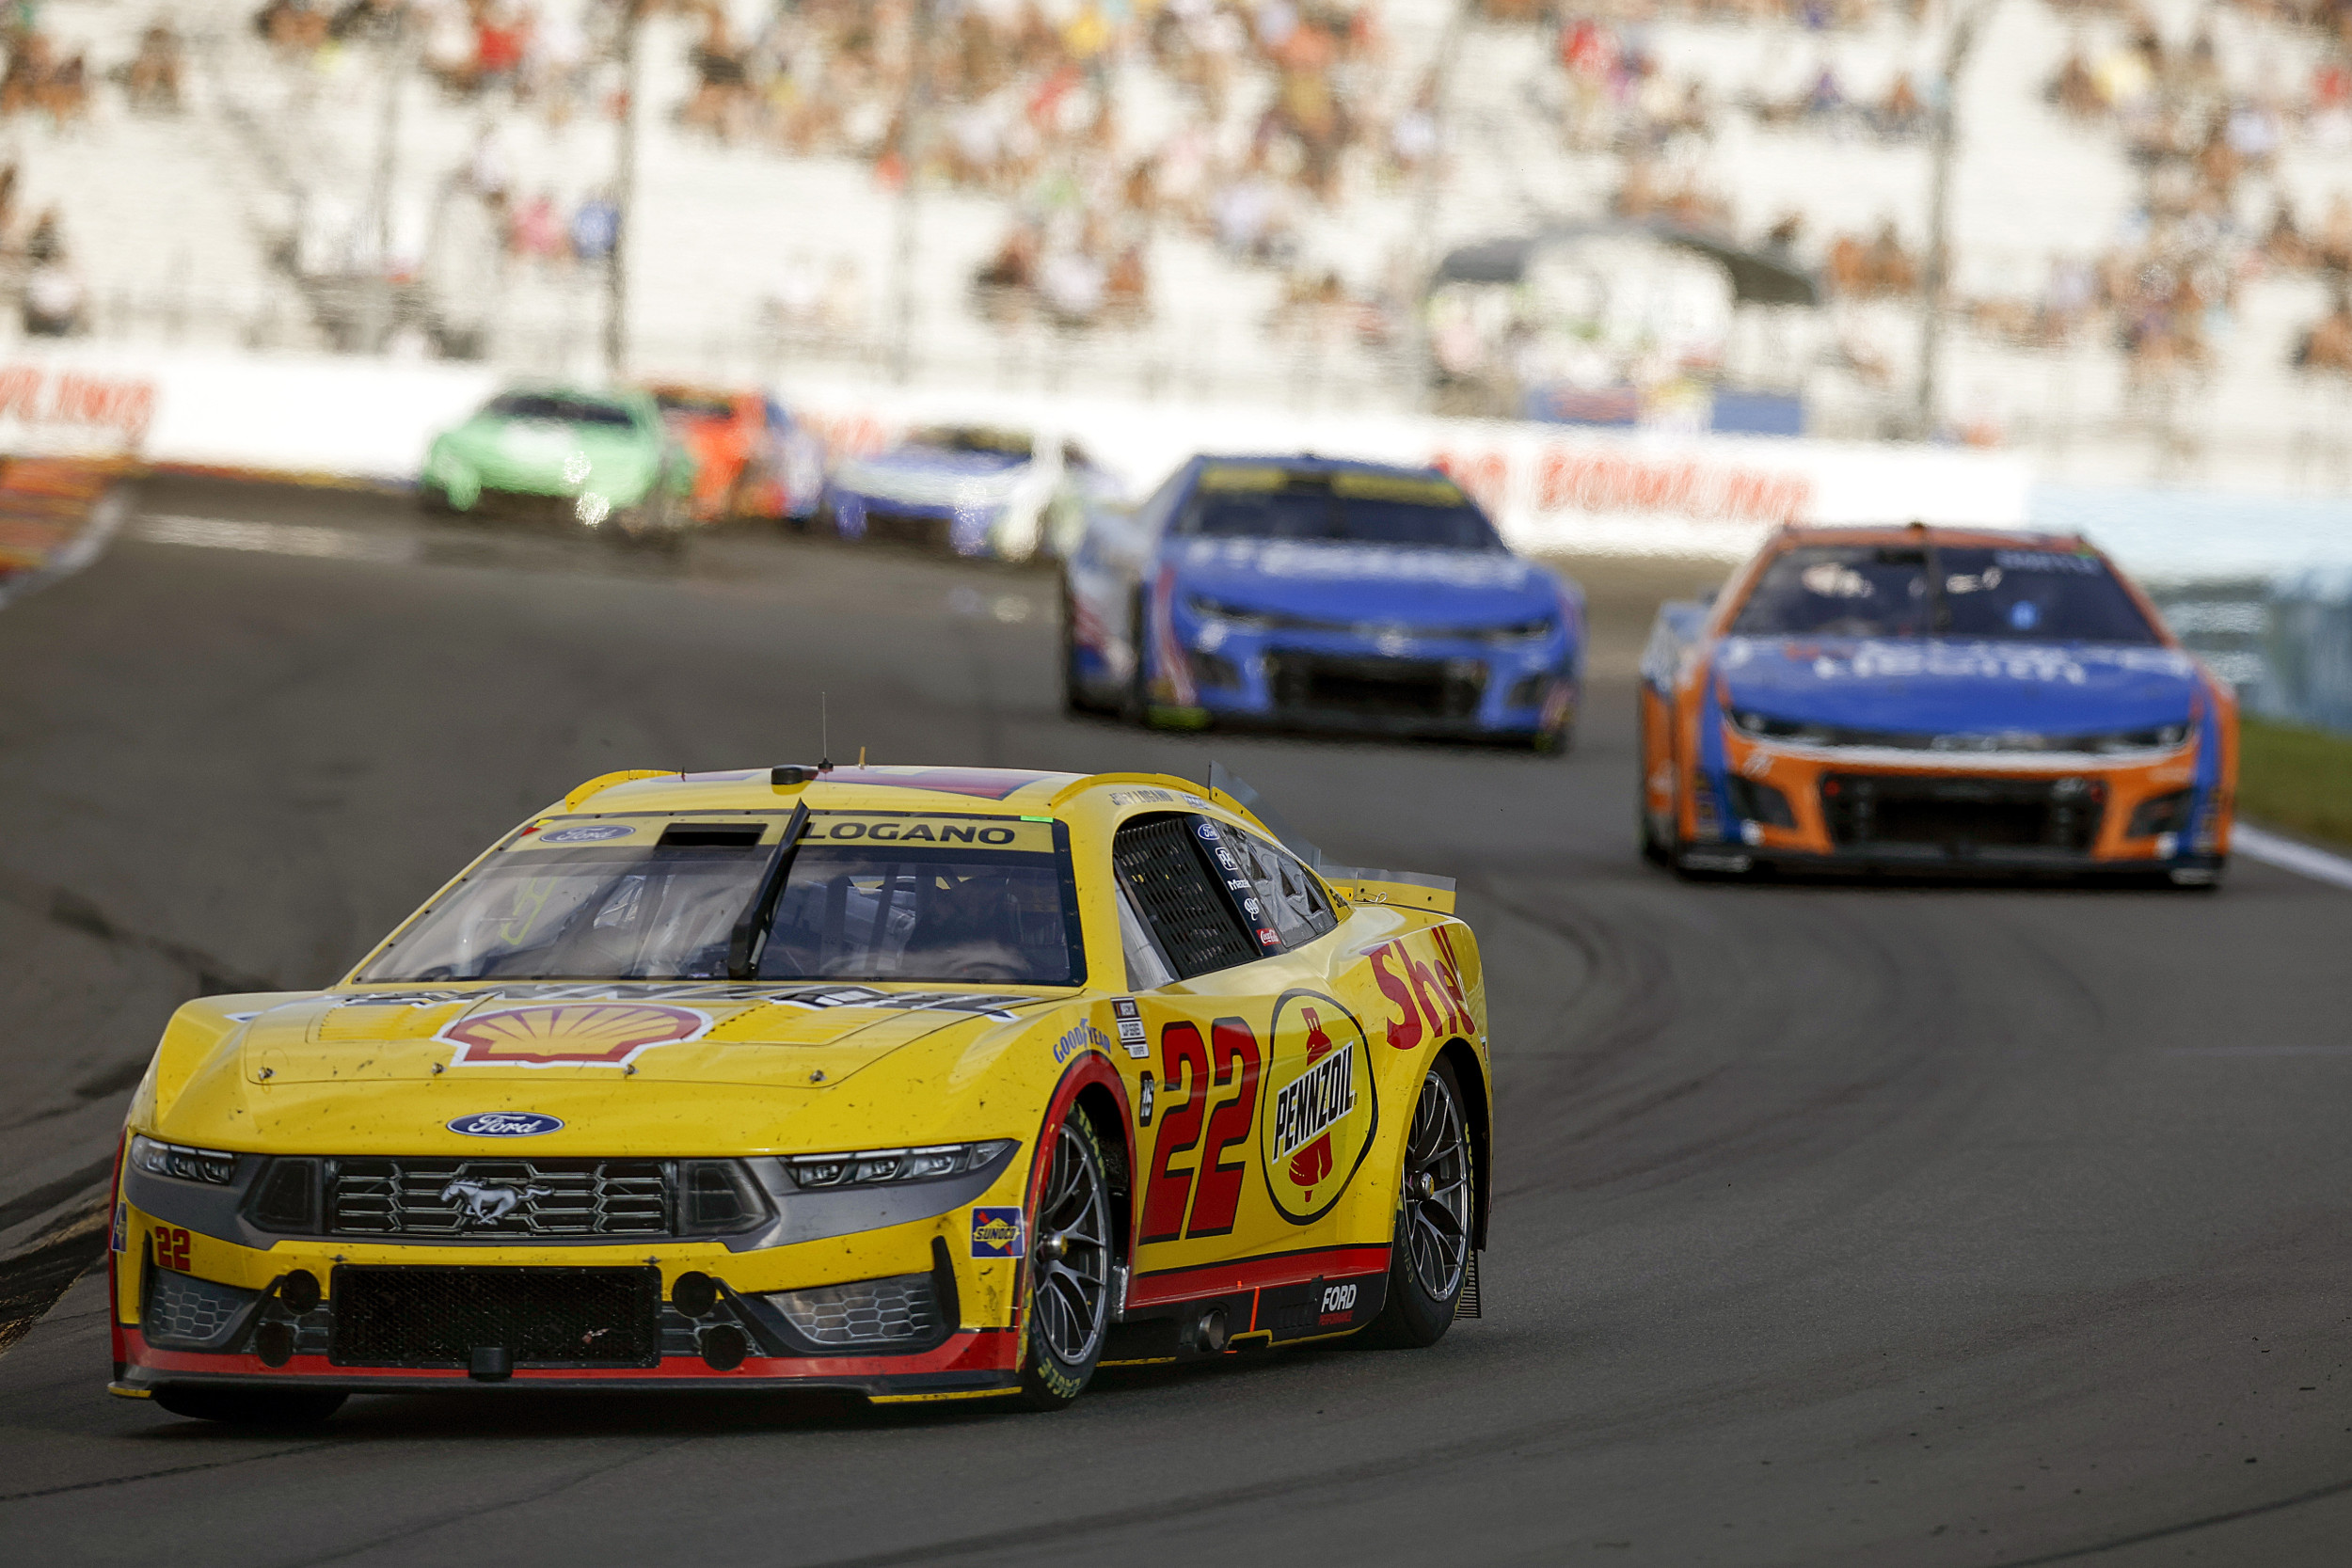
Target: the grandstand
pixel 1210 200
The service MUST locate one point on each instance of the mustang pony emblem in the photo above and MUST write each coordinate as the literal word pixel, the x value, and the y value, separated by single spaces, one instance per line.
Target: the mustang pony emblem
pixel 489 1202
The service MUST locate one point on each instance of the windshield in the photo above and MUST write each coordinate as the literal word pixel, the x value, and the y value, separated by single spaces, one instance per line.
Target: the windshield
pixel 555 406
pixel 1981 593
pixel 1347 508
pixel 996 443
pixel 694 405
pixel 651 910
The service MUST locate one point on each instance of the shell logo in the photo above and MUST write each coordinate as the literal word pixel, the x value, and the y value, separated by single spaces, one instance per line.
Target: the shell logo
pixel 570 1034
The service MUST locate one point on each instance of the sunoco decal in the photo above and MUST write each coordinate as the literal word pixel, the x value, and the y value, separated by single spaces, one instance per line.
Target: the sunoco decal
pixel 1321 1105
pixel 997 1232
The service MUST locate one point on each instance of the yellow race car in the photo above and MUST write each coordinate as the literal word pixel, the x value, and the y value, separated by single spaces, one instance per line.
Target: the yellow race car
pixel 925 1083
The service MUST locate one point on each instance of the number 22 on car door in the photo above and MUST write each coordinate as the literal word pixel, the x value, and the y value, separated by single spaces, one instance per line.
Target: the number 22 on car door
pixel 1197 1154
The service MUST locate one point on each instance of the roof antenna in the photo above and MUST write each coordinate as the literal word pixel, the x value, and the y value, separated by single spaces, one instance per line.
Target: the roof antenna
pixel 824 732
pixel 860 759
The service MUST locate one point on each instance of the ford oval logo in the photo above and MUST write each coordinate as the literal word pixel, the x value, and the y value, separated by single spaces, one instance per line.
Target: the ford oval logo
pixel 595 834
pixel 504 1124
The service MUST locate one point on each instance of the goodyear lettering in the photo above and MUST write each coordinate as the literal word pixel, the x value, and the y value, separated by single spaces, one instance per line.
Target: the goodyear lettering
pixel 1314 1102
pixel 1078 1038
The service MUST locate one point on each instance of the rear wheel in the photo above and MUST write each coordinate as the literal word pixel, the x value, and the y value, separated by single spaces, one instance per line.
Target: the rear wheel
pixel 1074 696
pixel 1430 1259
pixel 1069 1308
pixel 1135 697
pixel 253 1408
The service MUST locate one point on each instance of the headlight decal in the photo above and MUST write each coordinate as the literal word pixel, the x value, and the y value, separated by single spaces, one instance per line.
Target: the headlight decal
pixel 213 1166
pixel 883 1166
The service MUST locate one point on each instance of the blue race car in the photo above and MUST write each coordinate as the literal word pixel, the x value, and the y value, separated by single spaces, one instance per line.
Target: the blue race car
pixel 966 488
pixel 1317 592
pixel 1939 701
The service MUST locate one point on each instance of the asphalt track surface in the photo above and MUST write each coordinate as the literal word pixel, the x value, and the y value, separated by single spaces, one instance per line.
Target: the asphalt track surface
pixel 1835 1224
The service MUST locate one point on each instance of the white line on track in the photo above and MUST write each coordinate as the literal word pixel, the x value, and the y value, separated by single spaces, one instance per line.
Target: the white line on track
pixel 219 533
pixel 2289 855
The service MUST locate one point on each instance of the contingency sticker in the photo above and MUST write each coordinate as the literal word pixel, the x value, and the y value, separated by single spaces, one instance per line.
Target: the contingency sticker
pixel 997 1232
pixel 1129 1013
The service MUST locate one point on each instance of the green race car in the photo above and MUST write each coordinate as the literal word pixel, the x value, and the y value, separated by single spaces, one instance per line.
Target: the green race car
pixel 604 460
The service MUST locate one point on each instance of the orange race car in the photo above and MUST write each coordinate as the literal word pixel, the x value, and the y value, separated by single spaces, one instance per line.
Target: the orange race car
pixel 753 458
pixel 1931 700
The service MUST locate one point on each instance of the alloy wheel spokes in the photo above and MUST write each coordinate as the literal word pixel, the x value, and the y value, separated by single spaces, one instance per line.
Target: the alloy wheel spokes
pixel 1437 1189
pixel 1072 1294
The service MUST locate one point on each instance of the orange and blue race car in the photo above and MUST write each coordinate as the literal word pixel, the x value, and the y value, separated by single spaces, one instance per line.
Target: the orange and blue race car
pixel 924 1082
pixel 752 459
pixel 1931 700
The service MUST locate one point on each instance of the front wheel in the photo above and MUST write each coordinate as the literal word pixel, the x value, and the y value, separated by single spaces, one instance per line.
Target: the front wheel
pixel 1431 1257
pixel 252 1407
pixel 1070 1271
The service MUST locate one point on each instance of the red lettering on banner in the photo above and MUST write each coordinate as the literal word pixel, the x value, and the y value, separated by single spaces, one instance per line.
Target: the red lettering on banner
pixel 1569 480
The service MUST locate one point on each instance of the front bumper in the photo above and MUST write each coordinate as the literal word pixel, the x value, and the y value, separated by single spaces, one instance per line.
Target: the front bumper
pixel 965 529
pixel 1753 804
pixel 1433 688
pixel 910 1311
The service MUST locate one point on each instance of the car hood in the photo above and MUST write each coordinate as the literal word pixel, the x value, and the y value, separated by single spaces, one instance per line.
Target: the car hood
pixel 1366 582
pixel 1929 686
pixel 932 474
pixel 609 1066
pixel 534 445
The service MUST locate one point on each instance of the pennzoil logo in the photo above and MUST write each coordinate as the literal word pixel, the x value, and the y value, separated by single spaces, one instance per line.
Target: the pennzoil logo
pixel 1321 1106
pixel 570 1034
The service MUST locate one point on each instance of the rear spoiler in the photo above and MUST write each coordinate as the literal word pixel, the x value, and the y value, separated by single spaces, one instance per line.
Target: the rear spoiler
pixel 1407 888
pixel 1360 886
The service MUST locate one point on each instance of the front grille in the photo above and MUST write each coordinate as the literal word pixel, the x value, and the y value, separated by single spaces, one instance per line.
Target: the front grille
pixel 1962 816
pixel 902 528
pixel 481 1200
pixel 549 1317
pixel 183 1312
pixel 1378 688
pixel 871 1312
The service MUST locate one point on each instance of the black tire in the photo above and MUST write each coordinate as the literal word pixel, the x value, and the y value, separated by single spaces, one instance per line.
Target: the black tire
pixel 1065 1311
pixel 1134 704
pixel 1437 1205
pixel 1655 849
pixel 433 500
pixel 1074 698
pixel 253 1408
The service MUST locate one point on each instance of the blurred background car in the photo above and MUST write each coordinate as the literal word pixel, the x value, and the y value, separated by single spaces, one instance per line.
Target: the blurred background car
pixel 1316 592
pixel 1932 700
pixel 602 459
pixel 972 489
pixel 752 459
